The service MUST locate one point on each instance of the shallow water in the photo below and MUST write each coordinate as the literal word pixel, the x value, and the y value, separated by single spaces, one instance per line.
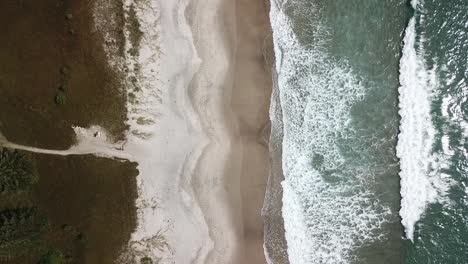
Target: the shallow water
pixel 375 129
pixel 338 77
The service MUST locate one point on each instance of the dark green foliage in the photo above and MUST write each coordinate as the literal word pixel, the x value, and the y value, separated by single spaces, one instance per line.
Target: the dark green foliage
pixel 134 28
pixel 63 88
pixel 20 229
pixel 146 260
pixel 16 172
pixel 52 257
pixel 81 238
pixel 60 98
pixel 64 70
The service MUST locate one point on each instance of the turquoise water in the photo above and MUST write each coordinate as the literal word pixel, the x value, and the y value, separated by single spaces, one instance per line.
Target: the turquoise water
pixel 374 114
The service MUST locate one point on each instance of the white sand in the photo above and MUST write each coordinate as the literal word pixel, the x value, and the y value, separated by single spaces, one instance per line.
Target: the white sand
pixel 205 164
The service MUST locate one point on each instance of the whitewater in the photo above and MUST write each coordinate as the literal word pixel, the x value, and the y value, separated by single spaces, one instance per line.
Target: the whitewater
pixel 329 207
pixel 422 182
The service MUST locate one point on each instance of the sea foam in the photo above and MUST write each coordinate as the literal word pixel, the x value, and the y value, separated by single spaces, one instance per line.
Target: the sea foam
pixel 327 208
pixel 421 180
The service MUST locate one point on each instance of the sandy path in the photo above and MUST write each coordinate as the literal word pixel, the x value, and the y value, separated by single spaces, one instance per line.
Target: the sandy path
pixel 90 141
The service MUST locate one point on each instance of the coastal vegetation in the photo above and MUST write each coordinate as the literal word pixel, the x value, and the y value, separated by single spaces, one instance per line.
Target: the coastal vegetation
pixel 146 260
pixel 60 98
pixel 53 257
pixel 134 28
pixel 21 229
pixel 16 172
pixel 57 75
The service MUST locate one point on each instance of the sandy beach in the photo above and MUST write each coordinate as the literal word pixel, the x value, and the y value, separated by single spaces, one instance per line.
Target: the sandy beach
pixel 233 82
pixel 207 160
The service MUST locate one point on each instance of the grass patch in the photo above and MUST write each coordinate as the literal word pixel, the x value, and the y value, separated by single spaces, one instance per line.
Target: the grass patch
pixel 134 29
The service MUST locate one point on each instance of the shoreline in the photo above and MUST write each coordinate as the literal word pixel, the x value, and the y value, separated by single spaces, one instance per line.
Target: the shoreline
pixel 251 103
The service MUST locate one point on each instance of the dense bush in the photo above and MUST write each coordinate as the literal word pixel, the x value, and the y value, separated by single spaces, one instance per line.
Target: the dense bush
pixel 60 98
pixel 16 172
pixel 52 257
pixel 146 260
pixel 20 229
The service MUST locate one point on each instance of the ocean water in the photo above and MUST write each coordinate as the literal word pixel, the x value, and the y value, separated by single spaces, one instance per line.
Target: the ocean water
pixel 337 64
pixel 436 213
pixel 373 98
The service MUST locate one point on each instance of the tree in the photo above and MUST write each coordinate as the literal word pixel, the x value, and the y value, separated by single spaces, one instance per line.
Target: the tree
pixel 20 229
pixel 16 172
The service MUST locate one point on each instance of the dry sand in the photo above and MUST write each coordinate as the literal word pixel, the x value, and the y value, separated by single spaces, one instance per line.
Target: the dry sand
pixel 207 158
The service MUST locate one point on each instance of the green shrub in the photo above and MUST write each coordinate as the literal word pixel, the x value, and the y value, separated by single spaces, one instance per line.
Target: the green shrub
pixel 146 260
pixel 20 229
pixel 52 257
pixel 16 172
pixel 61 98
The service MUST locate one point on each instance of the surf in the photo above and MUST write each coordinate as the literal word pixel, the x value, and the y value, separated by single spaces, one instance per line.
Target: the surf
pixel 329 208
pixel 421 182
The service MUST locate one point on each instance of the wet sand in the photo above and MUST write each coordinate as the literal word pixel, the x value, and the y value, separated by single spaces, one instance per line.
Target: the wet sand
pixel 250 103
